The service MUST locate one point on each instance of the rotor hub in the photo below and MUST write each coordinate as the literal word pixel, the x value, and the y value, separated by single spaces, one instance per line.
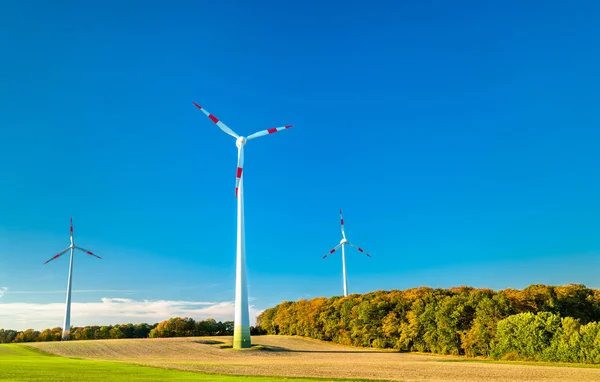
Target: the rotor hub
pixel 344 241
pixel 240 141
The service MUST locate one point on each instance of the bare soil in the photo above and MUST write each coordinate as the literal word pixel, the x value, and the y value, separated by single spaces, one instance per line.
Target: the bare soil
pixel 299 357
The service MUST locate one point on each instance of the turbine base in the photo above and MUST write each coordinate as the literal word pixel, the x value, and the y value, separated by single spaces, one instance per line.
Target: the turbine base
pixel 241 337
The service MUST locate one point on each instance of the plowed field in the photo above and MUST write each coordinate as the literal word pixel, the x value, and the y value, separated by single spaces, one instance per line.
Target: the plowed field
pixel 298 357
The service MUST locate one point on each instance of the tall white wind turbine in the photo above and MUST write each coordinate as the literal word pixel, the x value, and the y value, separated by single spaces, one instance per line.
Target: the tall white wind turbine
pixel 241 331
pixel 342 244
pixel 72 247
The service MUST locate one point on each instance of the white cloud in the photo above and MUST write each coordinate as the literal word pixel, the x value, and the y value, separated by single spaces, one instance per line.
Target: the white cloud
pixel 3 290
pixel 62 291
pixel 112 310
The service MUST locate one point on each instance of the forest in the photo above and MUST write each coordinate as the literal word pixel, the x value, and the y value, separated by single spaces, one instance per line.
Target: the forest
pixel 540 322
pixel 173 327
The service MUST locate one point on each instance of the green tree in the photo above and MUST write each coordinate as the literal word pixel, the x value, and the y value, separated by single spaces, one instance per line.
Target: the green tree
pixel 525 335
pixel 116 333
pixel 28 335
pixel 141 330
pixel 103 333
pixel 208 327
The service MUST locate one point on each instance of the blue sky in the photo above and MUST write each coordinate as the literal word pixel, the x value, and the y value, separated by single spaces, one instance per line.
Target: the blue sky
pixel 460 139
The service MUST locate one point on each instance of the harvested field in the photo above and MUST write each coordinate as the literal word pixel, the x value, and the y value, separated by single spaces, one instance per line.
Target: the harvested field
pixel 298 357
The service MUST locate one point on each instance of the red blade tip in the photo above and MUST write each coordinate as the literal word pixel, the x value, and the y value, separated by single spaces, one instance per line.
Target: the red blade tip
pixel 198 106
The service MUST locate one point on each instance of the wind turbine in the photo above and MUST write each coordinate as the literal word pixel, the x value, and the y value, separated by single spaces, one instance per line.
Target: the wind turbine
pixel 343 243
pixel 72 247
pixel 241 329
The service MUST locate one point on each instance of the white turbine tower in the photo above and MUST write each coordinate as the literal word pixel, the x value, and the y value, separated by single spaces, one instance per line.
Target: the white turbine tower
pixel 241 330
pixel 72 247
pixel 343 243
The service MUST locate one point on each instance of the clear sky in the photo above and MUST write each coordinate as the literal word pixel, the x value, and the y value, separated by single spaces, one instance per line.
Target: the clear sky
pixel 460 138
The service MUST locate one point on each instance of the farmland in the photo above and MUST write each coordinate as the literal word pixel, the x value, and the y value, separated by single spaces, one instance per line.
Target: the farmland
pixel 297 357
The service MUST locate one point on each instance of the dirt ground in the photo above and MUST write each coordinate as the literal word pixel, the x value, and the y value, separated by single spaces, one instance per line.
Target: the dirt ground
pixel 298 357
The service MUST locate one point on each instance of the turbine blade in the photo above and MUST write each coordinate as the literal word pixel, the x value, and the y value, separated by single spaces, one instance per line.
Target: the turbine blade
pixel 71 231
pixel 342 223
pixel 359 249
pixel 221 125
pixel 333 250
pixel 58 255
pixel 88 252
pixel 267 132
pixel 240 168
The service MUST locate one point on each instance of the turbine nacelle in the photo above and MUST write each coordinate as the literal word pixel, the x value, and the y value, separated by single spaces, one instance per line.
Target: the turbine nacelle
pixel 72 247
pixel 240 142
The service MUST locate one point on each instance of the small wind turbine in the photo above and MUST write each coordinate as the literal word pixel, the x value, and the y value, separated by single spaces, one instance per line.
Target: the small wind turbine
pixel 241 329
pixel 343 243
pixel 72 247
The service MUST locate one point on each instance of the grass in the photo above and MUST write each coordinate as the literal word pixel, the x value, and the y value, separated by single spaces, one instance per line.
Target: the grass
pixel 23 363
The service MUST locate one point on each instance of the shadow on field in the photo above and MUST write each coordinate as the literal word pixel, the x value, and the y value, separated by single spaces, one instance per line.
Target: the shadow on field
pixel 208 342
pixel 286 350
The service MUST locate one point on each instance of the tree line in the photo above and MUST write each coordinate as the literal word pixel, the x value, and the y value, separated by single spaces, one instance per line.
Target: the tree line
pixel 540 322
pixel 173 327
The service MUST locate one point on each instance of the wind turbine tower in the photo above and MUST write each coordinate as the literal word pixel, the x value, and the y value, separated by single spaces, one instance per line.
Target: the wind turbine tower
pixel 241 331
pixel 343 244
pixel 72 248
